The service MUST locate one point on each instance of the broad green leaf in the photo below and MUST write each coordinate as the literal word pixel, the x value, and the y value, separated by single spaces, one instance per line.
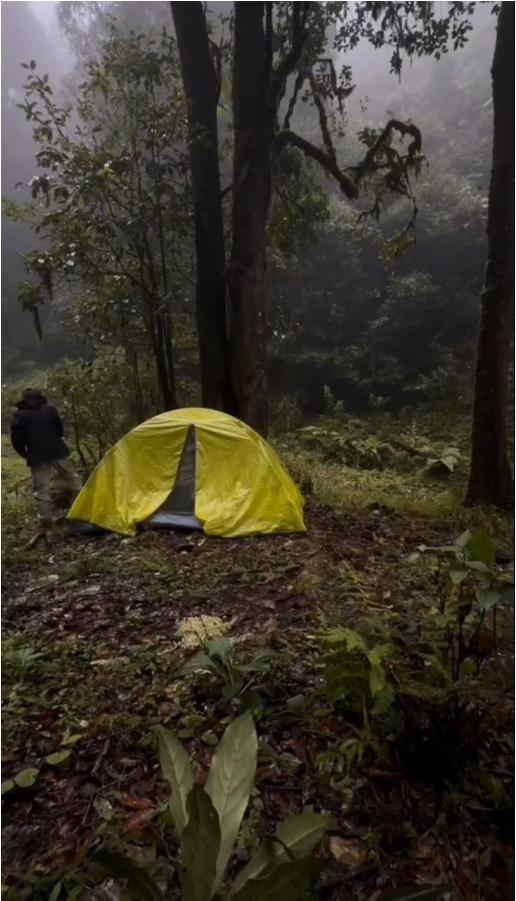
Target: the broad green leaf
pixel 300 834
pixel 7 786
pixel 27 777
pixel 56 891
pixel 487 598
pixel 200 843
pixel 139 884
pixel 286 882
pixel 384 695
pixel 220 646
pixel 199 663
pixel 478 566
pixel 481 547
pixel 377 679
pixel 230 782
pixel 418 893
pixel 457 575
pixel 463 539
pixel 177 771
pixel 58 757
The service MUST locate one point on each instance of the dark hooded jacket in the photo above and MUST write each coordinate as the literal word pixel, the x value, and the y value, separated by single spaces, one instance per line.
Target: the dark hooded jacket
pixel 37 430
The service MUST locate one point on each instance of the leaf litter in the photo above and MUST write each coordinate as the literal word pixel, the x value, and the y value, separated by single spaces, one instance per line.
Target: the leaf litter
pixel 114 621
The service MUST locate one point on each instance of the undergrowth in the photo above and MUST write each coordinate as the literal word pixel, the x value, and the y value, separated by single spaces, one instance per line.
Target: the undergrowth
pixel 385 702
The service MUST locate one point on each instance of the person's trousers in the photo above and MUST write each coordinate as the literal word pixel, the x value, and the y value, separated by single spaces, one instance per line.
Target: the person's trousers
pixel 64 471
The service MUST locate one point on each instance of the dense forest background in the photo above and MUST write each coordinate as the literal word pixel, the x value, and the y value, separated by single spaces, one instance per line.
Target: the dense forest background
pixel 379 329
pixel 302 215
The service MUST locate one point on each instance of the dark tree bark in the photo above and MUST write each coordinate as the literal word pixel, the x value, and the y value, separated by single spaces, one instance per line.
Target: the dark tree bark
pixel 251 201
pixel 258 88
pixel 200 84
pixel 490 480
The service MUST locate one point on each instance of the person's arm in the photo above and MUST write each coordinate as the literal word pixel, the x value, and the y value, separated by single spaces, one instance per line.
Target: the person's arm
pixel 58 422
pixel 18 436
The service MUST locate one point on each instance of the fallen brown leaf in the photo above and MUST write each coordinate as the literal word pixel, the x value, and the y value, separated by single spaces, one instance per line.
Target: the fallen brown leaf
pixel 351 852
pixel 139 820
pixel 135 803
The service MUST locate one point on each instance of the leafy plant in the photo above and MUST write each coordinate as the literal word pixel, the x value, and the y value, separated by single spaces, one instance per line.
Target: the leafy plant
pixel 445 463
pixel 356 672
pixel 207 821
pixel 419 696
pixel 219 659
pixel 20 659
pixel 471 587
pixel 27 778
pixel 342 758
pixel 24 779
pixel 354 449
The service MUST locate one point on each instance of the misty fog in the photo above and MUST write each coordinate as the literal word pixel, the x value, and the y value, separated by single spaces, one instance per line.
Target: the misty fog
pixel 257 453
pixel 449 99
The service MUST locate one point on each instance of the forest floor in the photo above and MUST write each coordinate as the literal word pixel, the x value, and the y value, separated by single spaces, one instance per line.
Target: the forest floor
pixel 91 653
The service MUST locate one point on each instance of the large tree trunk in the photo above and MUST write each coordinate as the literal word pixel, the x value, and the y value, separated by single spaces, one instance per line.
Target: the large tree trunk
pixel 490 480
pixel 200 85
pixel 251 200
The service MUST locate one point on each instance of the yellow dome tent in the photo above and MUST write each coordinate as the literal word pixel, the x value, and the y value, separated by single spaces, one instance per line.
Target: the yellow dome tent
pixel 191 468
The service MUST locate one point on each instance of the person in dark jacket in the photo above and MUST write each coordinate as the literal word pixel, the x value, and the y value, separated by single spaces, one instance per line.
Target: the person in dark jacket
pixel 37 436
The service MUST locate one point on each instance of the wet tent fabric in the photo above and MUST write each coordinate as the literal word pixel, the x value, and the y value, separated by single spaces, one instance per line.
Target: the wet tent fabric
pixel 178 511
pixel 241 485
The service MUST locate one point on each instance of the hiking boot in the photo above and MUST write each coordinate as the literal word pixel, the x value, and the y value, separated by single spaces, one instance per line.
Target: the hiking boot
pixel 43 534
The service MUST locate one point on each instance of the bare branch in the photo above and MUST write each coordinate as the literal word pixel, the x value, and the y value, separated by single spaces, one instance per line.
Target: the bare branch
pixel 216 58
pixel 328 163
pixel 298 84
pixel 323 119
pixel 369 164
pixel 289 62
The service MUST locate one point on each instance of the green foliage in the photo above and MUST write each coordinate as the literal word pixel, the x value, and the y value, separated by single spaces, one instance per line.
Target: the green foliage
pixel 471 588
pixel 445 464
pixel 93 397
pixel 30 296
pixel 208 820
pixel 178 773
pixel 405 337
pixel 344 758
pixel 221 660
pixel 300 206
pixel 27 778
pixel 19 660
pixel 421 696
pixel 355 670
pixel 229 784
pixel 24 779
pixel 113 202
pixel 331 406
pixel 286 414
pixel 348 446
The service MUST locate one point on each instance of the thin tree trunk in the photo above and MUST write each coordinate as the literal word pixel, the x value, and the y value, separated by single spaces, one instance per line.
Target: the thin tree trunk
pixel 490 480
pixel 164 363
pixel 199 80
pixel 251 200
pixel 138 396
